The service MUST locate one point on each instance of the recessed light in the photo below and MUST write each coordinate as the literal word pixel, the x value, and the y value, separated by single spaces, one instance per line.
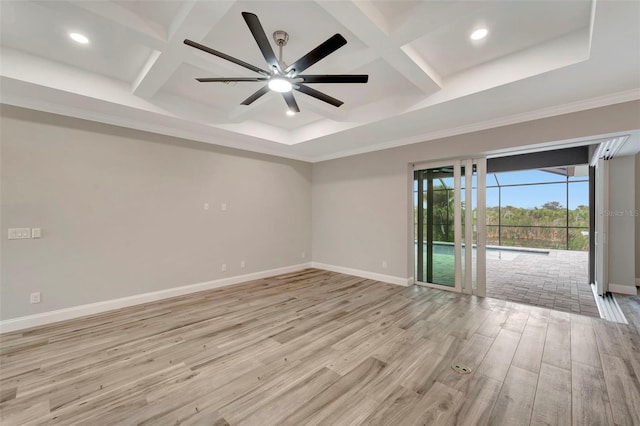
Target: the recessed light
pixel 79 38
pixel 290 113
pixel 479 34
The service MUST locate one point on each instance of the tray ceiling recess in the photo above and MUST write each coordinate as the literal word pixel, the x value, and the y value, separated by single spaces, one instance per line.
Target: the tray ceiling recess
pixel 432 68
pixel 280 77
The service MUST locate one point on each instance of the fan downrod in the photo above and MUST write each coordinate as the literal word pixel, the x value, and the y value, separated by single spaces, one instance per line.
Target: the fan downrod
pixel 281 38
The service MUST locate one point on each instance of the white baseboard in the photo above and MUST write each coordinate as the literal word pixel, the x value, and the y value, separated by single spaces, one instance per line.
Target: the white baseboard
pixel 623 289
pixel 21 323
pixel 365 274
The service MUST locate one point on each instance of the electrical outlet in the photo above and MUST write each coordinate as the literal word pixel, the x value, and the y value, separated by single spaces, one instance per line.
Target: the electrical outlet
pixel 384 264
pixel 35 297
pixel 223 268
pixel 242 264
pixel 303 254
pixel 36 233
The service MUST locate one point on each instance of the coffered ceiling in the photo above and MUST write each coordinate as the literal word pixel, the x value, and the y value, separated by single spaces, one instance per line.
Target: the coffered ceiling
pixel 427 78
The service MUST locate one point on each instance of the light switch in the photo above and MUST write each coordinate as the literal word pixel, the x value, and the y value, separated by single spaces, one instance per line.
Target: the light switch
pixel 223 207
pixel 36 233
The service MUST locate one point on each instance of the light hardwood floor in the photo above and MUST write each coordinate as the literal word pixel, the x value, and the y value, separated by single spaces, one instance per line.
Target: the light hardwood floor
pixel 318 347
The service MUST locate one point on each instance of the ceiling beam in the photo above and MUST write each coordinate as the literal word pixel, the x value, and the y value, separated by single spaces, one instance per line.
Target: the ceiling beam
pixel 360 19
pixel 194 21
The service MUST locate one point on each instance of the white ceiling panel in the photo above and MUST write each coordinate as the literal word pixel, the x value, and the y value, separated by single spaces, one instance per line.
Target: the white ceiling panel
pixel 219 95
pixel 383 78
pixel 273 114
pixel 159 12
pixel 513 26
pixel 307 24
pixel 42 29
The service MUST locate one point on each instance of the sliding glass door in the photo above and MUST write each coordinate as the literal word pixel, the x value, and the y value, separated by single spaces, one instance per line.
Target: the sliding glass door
pixel 449 209
pixel 601 226
pixel 436 225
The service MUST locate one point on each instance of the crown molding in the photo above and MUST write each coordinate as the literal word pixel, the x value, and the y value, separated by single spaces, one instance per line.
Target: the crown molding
pixel 597 102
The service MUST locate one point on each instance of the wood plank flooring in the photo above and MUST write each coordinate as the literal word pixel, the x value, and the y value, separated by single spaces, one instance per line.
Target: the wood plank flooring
pixel 321 348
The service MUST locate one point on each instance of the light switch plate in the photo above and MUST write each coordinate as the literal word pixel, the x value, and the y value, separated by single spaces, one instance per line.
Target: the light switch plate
pixel 36 233
pixel 19 233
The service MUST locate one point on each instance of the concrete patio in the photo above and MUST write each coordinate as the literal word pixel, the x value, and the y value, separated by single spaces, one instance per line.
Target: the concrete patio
pixel 558 280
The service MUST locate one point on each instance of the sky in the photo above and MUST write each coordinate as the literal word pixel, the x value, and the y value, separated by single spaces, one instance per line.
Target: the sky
pixel 536 195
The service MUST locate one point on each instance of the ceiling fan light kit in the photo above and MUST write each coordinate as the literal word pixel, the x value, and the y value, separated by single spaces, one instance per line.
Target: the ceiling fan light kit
pixel 281 85
pixel 280 77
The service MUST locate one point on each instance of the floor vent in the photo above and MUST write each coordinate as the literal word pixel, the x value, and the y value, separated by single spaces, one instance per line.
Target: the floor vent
pixel 460 368
pixel 608 307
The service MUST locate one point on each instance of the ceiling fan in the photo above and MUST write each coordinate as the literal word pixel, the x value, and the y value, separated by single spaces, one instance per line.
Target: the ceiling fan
pixel 281 77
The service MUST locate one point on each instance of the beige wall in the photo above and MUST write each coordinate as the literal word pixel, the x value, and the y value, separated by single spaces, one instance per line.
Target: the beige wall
pixel 122 212
pixel 362 205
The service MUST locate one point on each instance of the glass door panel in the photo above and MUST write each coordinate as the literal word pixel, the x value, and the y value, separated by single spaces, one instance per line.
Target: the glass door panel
pixel 435 224
pixel 448 252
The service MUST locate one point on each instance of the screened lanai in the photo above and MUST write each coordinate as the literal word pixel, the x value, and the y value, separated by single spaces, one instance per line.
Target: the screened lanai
pixel 537 235
pixel 545 208
pixel 538 220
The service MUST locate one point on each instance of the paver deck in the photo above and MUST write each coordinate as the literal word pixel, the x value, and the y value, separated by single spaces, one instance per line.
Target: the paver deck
pixel 558 280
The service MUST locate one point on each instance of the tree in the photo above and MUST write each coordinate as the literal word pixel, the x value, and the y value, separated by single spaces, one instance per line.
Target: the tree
pixel 552 205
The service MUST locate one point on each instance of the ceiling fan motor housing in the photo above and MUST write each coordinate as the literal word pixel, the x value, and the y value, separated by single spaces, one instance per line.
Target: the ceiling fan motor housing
pixel 280 37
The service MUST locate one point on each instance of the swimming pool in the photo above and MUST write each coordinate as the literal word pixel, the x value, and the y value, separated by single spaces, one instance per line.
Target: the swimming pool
pixel 443 264
pixel 493 252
